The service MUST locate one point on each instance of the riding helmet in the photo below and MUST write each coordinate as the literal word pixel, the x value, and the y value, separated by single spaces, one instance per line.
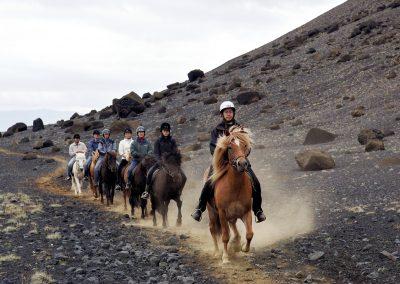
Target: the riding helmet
pixel 77 136
pixel 225 105
pixel 128 130
pixel 140 129
pixel 106 131
pixel 96 132
pixel 165 126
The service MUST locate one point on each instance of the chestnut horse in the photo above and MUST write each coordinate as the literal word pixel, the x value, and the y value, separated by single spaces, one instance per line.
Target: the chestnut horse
pixel 232 190
pixel 93 188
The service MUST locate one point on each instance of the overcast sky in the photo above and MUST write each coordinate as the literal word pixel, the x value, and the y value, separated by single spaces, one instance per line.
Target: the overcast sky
pixel 79 55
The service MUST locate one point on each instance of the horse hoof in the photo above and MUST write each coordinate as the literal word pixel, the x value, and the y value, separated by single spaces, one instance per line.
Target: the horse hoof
pixel 225 260
pixel 217 254
pixel 179 223
pixel 245 248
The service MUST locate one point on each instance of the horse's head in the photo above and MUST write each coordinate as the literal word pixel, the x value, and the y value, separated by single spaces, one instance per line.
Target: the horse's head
pixel 237 150
pixel 95 156
pixel 80 160
pixel 174 158
pixel 147 162
pixel 111 161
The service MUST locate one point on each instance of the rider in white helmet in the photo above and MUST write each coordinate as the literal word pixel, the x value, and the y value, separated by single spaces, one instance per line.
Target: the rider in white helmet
pixel 227 111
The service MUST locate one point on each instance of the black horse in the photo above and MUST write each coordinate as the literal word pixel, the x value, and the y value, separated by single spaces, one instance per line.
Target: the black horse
pixel 138 185
pixel 168 184
pixel 108 177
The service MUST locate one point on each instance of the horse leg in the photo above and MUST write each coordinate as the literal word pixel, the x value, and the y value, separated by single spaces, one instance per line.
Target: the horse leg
pixel 225 235
pixel 124 194
pixel 165 214
pixel 179 204
pixel 143 205
pixel 249 231
pixel 132 203
pixel 100 189
pixel 112 193
pixel 73 186
pixel 215 231
pixel 153 210
pixel 236 237
pixel 106 190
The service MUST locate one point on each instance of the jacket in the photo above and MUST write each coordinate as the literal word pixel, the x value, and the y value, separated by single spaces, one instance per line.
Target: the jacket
pixel 93 145
pixel 74 148
pixel 124 148
pixel 218 131
pixel 164 145
pixel 141 148
pixel 106 145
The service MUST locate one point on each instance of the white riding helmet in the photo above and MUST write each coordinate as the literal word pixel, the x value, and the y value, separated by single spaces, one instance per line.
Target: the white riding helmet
pixel 225 105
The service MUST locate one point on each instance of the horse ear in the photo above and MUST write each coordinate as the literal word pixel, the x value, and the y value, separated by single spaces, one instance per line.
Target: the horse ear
pixel 227 133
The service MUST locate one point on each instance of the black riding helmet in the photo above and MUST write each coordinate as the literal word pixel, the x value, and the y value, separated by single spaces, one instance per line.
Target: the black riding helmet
pixel 165 126
pixel 96 132
pixel 77 136
pixel 128 130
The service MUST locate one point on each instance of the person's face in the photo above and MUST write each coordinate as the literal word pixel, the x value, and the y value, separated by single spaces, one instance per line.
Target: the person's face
pixel 228 114
pixel 96 136
pixel 128 135
pixel 106 136
pixel 77 140
pixel 141 134
pixel 165 132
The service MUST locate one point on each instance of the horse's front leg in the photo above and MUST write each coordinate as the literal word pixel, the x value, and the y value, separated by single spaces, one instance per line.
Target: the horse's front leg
pixel 179 220
pixel 73 186
pixel 124 194
pixel 225 235
pixel 249 231
pixel 165 214
pixel 236 237
pixel 101 191
pixel 112 193
pixel 214 230
pixel 143 205
pixel 153 210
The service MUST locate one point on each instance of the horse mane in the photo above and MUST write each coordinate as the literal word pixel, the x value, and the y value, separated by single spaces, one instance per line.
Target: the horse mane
pixel 219 162
pixel 80 156
pixel 173 158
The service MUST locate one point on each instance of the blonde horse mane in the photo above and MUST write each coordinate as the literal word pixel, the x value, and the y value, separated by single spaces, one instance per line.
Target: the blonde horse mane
pixel 219 163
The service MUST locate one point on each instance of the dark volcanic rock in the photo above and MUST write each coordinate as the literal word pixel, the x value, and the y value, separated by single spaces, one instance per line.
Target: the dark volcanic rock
pixel 130 103
pixel 24 140
pixel 18 127
pixel 8 133
pixel 103 114
pixel 67 123
pixel 162 109
pixel 195 74
pixel 192 86
pixel 94 125
pixel 43 144
pixel 74 116
pixel 318 136
pixel 146 96
pixel 29 156
pixel 248 97
pixel 314 160
pixel 210 100
pixel 374 145
pixel 37 125
pixel 369 134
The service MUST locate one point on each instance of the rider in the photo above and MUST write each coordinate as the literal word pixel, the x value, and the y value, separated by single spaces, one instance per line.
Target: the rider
pixel 92 147
pixel 140 147
pixel 164 144
pixel 227 111
pixel 76 147
pixel 106 145
pixel 124 149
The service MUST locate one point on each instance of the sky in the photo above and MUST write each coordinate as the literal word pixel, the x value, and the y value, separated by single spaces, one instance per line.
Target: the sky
pixel 58 57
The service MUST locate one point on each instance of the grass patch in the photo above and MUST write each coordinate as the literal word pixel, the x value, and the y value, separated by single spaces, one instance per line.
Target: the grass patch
pixel 54 236
pixel 41 278
pixel 9 258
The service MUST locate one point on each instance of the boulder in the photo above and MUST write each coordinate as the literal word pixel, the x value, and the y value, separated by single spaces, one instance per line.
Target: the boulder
pixel 359 111
pixel 37 125
pixel 8 133
pixel 388 132
pixel 203 136
pixel 78 127
pixel 210 100
pixel 146 96
pixel 162 109
pixel 192 86
pixel 318 136
pixel 191 148
pixel 374 145
pixel 195 74
pixel 1 135
pixel 297 122
pixel 55 149
pixel 158 95
pixel 118 126
pixel 24 140
pixel 275 127
pixel 18 127
pixel 74 116
pixel 43 144
pixel 29 156
pixel 105 114
pixel 67 123
pixel 97 124
pixel 248 97
pixel 130 103
pixel 173 86
pixel 181 120
pixel 314 160
pixel 366 135
pixel 91 113
pixel 236 83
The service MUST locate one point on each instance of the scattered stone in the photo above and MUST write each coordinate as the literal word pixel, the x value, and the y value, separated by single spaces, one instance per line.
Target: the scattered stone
pixel 374 145
pixel 318 136
pixel 388 132
pixel 192 86
pixel 181 120
pixel 24 140
pixel 106 113
pixel 210 100
pixel 311 50
pixel 195 74
pixel 118 126
pixel 162 109
pixel 55 149
pixel 146 96
pixel 315 255
pixel 296 66
pixel 391 75
pixel 248 97
pixel 158 95
pixel 128 104
pixel 345 58
pixel 191 148
pixel 74 116
pixel 173 86
pixel 29 156
pixel 203 136
pixel 97 124
pixel 297 122
pixel 369 134
pixel 314 160
pixel 37 125
pixel 275 127
pixel 18 127
pixel 358 112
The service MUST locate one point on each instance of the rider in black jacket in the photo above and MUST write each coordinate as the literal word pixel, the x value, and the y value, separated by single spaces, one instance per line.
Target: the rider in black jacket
pixel 164 144
pixel 227 110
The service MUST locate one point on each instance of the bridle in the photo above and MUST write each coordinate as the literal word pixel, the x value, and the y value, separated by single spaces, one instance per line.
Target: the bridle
pixel 233 159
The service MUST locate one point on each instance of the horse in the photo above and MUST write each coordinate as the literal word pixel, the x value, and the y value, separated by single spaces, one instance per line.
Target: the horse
pixel 232 190
pixel 108 177
pixel 138 185
pixel 124 179
pixel 93 188
pixel 78 172
pixel 168 183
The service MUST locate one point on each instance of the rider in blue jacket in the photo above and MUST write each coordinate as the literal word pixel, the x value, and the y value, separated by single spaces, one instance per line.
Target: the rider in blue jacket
pixel 92 147
pixel 106 145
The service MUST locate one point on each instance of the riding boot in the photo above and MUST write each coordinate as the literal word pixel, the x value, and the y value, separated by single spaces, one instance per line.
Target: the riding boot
pixel 206 194
pixel 149 180
pixel 257 199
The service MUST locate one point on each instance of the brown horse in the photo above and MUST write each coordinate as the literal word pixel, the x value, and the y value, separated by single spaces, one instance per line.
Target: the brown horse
pixel 108 177
pixel 95 157
pixel 168 184
pixel 138 185
pixel 233 190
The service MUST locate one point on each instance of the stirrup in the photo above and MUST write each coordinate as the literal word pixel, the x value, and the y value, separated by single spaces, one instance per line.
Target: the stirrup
pixel 145 195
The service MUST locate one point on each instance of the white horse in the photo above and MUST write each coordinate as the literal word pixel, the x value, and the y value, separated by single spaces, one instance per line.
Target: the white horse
pixel 78 173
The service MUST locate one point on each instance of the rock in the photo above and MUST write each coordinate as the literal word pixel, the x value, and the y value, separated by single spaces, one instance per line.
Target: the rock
pixel 97 124
pixel 91 113
pixel 181 120
pixel 236 83
pixel 162 109
pixel 314 160
pixel 18 127
pixel 389 255
pixel 192 86
pixel 315 255
pixel 43 144
pixel 195 74
pixel 173 86
pixel 158 95
pixel 374 145
pixel 311 50
pixel 296 66
pixel 318 136
pixel 313 32
pixel 369 134
pixel 248 97
pixel 37 125
pixel 391 75
pixel 8 133
pixel 24 140
pixel 332 28
pixel 55 149
pixel 29 156
pixel 297 122
pixel 359 111
pixel 118 126
pixel 74 116
pixel 146 96
pixel 388 132
pixel 275 127
pixel 345 58
pixel 364 27
pixel 203 136
pixel 186 279
pixel 210 100
pixel 191 148
pixel 67 123
pixel 128 104
pixel 106 113
pixel 77 127
pixel 394 4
